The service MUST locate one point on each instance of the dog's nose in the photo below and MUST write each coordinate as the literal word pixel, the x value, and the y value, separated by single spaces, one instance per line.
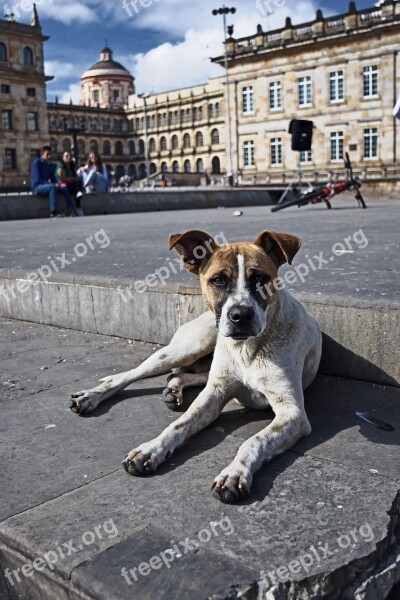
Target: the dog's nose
pixel 239 315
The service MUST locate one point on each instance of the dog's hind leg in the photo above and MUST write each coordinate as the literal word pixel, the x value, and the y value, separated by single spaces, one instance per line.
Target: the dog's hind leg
pixel 191 342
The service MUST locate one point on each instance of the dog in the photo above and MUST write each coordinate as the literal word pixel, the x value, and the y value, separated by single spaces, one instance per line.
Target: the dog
pixel 261 349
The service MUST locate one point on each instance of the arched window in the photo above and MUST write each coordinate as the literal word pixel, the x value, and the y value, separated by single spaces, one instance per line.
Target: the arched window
pixel 164 167
pixel 141 147
pixel 200 165
pixel 54 145
pixel 187 141
pixel 27 56
pixel 163 144
pixel 210 111
pixel 94 147
pixel 199 139
pixel 3 52
pixel 175 142
pixel 153 168
pixel 175 167
pixel 53 122
pixel 120 172
pixel 152 145
pixel 142 170
pixel 107 148
pixel 66 145
pixel 188 166
pixel 81 147
pixel 216 165
pixel 217 110
pixel 214 137
pixel 132 148
pixel 132 171
pixel 119 150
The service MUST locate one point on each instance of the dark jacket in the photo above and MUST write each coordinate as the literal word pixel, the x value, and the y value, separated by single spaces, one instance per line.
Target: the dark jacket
pixel 42 172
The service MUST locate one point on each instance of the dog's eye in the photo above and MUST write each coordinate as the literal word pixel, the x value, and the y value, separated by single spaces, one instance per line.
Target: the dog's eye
pixel 218 281
pixel 259 278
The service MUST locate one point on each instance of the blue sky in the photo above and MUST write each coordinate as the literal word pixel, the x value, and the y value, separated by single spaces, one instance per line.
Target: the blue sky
pixel 166 44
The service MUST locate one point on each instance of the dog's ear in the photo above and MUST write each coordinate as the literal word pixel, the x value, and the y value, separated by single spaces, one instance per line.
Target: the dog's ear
pixel 281 247
pixel 194 247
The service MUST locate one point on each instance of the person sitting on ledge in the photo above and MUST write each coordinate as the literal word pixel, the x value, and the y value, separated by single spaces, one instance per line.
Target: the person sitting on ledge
pixel 44 183
pixel 94 175
pixel 66 173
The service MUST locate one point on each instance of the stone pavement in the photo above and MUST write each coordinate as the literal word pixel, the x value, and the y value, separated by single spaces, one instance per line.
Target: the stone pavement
pixel 322 521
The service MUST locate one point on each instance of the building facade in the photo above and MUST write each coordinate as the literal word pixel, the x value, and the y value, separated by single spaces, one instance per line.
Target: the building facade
pixel 23 112
pixel 340 72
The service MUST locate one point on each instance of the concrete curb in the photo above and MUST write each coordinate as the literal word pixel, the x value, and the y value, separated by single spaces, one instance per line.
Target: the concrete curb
pixel 360 340
pixel 14 207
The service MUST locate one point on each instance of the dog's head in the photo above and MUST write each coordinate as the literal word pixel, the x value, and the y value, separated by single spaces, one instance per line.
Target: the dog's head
pixel 237 279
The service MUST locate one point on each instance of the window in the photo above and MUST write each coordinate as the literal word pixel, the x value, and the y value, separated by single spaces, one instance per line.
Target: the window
pixel 27 56
pixel 94 147
pixel 10 158
pixel 276 151
pixel 115 95
pixel 186 141
pixel 152 145
pixel 163 144
pixel 35 153
pixel 199 139
pixel 188 166
pixel 54 145
pixel 371 81
pixel 200 165
pixel 217 110
pixel 215 137
pixel 6 121
pixel 106 148
pixel 198 113
pixel 31 92
pixel 32 121
pixel 119 150
pixel 3 52
pixel 141 147
pixel 5 89
pixel 337 138
pixel 211 111
pixel 175 142
pixel 164 167
pixel 132 148
pixel 305 91
pixel 336 86
pixel 370 143
pixel 275 95
pixel 248 153
pixel 305 157
pixel 175 167
pixel 96 96
pixel 248 100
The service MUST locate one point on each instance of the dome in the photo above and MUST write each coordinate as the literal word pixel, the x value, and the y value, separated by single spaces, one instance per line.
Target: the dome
pixel 106 66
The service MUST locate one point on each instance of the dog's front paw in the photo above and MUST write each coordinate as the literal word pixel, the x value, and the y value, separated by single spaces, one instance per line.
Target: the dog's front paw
pixel 144 460
pixel 84 402
pixel 173 398
pixel 232 484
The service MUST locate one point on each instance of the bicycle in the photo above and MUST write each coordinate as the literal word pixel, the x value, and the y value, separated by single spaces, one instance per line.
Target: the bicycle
pixel 329 191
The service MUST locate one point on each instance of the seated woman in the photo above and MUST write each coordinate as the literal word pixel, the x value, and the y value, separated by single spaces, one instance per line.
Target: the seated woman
pixel 66 173
pixel 94 175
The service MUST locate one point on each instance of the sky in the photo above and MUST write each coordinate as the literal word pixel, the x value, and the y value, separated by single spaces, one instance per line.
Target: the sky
pixel 166 44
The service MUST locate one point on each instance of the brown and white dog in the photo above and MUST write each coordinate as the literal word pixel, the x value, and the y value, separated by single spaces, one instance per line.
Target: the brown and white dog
pixel 266 347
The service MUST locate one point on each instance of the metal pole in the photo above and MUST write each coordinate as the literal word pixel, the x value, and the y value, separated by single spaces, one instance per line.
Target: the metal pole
pixel 146 147
pixel 228 108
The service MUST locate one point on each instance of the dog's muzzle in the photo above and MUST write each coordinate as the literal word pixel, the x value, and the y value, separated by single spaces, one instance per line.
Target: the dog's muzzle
pixel 241 322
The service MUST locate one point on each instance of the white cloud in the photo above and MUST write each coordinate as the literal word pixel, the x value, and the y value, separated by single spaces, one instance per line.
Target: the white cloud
pixel 68 13
pixel 187 62
pixel 59 69
pixel 73 92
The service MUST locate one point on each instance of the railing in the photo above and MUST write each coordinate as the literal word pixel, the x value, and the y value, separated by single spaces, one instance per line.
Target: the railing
pixel 370 15
pixel 302 32
pixel 334 24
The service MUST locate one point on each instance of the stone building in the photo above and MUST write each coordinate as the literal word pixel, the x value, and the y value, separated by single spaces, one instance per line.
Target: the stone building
pixel 23 112
pixel 341 72
pixel 182 131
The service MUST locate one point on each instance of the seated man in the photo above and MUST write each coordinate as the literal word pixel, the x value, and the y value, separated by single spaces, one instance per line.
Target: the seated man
pixel 44 183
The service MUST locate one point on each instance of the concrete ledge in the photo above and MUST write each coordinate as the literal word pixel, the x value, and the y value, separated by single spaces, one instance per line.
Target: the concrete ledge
pixel 32 207
pixel 360 339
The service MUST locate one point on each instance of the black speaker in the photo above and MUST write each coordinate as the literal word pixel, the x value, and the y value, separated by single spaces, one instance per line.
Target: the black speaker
pixel 302 132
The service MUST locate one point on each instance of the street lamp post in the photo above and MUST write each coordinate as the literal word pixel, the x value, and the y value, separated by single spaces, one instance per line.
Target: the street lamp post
pixel 146 139
pixel 224 10
pixel 75 131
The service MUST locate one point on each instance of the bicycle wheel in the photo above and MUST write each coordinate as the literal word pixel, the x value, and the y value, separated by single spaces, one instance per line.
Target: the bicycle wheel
pixel 300 201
